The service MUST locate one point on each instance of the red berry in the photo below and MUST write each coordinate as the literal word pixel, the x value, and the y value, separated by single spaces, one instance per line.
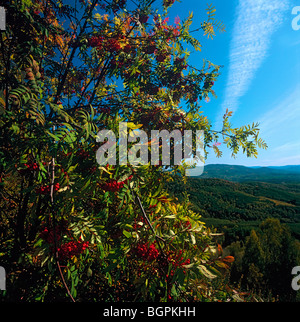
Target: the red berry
pixel 127 49
pixel 143 18
pixel 150 49
pixel 113 45
pixel 146 252
pixel 161 57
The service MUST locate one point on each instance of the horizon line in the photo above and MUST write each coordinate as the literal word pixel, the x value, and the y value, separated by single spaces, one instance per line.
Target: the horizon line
pixel 254 166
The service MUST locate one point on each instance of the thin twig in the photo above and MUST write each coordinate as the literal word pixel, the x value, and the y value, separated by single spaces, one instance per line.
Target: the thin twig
pixel 158 238
pixel 53 211
pixel 64 282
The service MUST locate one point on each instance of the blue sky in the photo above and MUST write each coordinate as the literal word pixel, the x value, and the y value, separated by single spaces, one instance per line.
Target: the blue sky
pixel 260 80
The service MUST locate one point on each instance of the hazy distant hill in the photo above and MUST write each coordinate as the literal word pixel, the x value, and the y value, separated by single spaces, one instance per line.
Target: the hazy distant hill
pixel 288 168
pixel 241 173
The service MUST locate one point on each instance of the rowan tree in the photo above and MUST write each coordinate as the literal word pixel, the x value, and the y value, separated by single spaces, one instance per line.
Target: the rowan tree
pixel 69 225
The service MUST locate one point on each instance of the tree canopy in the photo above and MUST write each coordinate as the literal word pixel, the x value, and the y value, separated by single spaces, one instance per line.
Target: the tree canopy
pixel 77 230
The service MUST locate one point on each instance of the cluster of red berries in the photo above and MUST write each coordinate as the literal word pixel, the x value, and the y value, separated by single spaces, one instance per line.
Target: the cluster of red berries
pixel 149 116
pixel 104 110
pixel 180 63
pixel 113 45
pixel 93 169
pixel 32 166
pixel 67 250
pixel 116 64
pixel 29 167
pixel 114 185
pixel 72 248
pixel 45 190
pixel 170 32
pixel 127 49
pixel 82 154
pixel 177 117
pixel 161 56
pixel 47 234
pixel 146 252
pixel 137 225
pixel 177 261
pixel 187 224
pixel 96 41
pixel 150 49
pixel 143 18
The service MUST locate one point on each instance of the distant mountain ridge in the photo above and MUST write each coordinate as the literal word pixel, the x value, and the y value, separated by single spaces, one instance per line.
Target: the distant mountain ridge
pixel 239 173
pixel 289 168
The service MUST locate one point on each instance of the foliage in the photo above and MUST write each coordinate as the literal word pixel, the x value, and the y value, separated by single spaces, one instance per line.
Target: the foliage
pixel 72 227
pixel 266 260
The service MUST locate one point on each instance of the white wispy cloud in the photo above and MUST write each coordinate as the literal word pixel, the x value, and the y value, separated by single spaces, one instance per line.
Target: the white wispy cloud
pixel 287 147
pixel 279 126
pixel 256 21
pixel 282 119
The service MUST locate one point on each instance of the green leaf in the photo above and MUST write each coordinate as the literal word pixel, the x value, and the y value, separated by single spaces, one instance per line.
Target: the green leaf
pixel 127 234
pixel 89 272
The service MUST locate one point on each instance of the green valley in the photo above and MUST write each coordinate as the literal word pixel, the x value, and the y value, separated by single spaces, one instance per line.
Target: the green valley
pixel 230 201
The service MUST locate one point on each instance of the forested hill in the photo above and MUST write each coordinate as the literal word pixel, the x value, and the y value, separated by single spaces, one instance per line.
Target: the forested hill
pixel 218 198
pixel 236 199
pixel 241 173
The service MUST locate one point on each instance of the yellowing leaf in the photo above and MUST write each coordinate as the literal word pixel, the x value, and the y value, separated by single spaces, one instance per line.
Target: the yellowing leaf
pixel 221 264
pixel 2 102
pixel 97 16
pixel 204 270
pixel 117 21
pixel 158 207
